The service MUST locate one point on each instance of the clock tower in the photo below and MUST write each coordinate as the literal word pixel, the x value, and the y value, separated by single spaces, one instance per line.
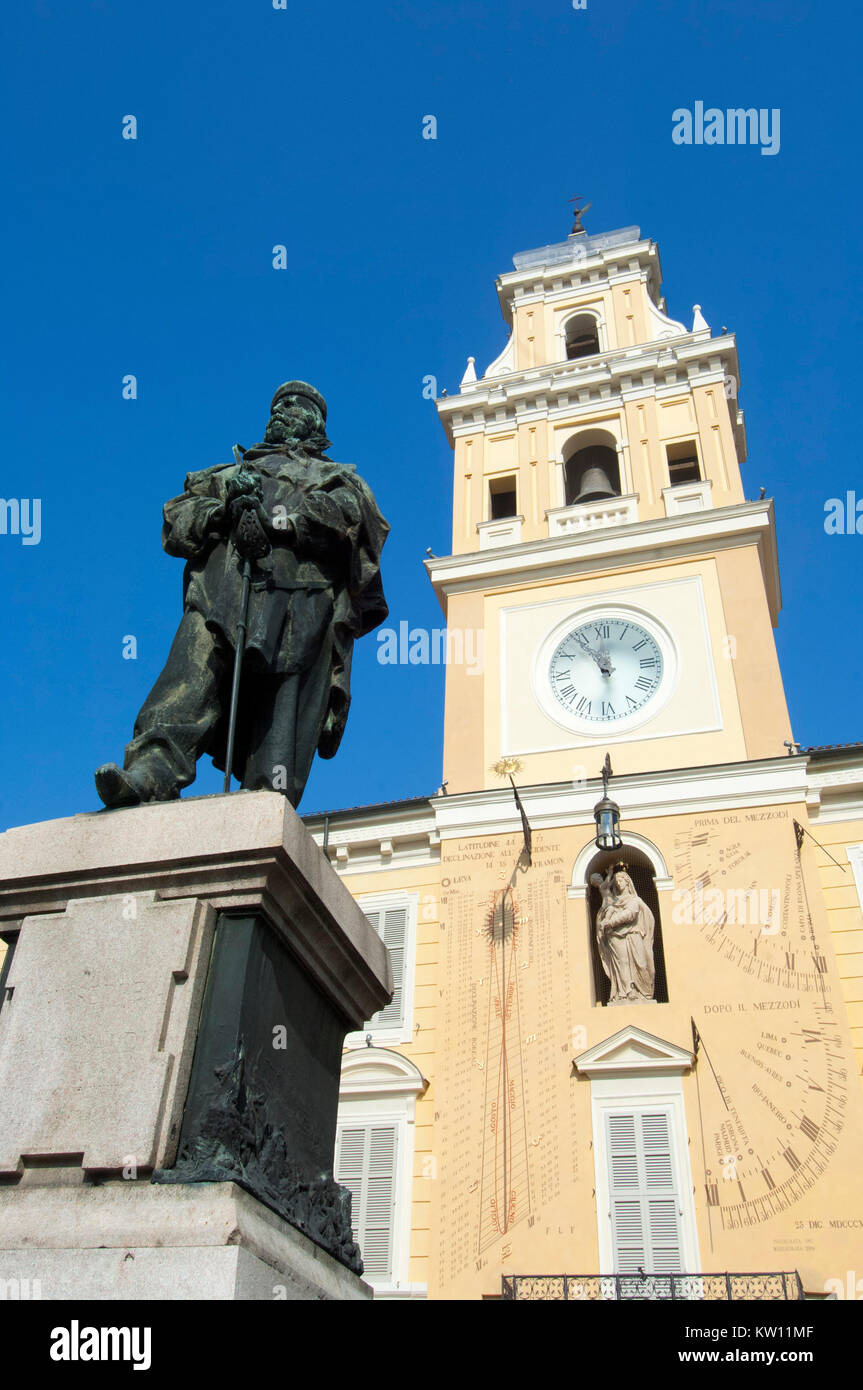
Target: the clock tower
pixel 635 1055
pixel 603 545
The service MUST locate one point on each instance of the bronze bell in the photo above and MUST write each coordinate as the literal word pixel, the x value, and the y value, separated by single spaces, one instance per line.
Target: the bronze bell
pixel 595 485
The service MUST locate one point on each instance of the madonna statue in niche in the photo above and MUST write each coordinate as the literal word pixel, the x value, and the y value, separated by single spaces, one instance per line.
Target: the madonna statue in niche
pixel 624 936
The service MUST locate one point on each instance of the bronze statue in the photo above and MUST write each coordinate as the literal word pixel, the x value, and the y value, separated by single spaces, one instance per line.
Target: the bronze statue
pixel 308 533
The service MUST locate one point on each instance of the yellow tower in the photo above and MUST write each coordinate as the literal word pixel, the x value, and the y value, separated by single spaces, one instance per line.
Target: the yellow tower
pixel 602 543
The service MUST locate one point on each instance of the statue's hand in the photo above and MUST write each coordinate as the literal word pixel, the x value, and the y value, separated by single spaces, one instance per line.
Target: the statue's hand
pixel 244 482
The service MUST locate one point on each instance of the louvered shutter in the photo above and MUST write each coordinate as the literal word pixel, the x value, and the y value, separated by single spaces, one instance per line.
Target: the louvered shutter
pixel 391 923
pixel 645 1204
pixel 366 1158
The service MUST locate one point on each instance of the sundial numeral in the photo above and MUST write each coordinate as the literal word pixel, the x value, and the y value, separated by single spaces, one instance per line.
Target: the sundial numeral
pixel 791 1157
pixel 768 1178
pixel 713 1194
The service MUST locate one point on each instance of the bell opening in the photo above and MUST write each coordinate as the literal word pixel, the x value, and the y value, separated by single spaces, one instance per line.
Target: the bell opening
pixel 592 474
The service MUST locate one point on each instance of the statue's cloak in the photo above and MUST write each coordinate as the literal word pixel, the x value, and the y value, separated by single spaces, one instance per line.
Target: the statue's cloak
pixel 318 589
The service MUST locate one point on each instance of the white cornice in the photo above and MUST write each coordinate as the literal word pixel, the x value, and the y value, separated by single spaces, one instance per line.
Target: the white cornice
pixel 359 835
pixel 414 835
pixel 835 790
pixel 613 547
pixel 369 839
pixel 575 258
pixel 641 796
pixel 689 355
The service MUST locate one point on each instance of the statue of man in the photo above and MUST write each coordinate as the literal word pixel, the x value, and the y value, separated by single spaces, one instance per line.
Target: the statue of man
pixel 313 534
pixel 624 936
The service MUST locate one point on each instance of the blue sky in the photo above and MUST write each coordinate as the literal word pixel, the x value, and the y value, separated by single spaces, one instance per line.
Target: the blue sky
pixel 303 127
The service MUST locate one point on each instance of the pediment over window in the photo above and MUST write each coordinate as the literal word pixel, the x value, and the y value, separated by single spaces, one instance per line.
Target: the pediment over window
pixel 375 1071
pixel 632 1051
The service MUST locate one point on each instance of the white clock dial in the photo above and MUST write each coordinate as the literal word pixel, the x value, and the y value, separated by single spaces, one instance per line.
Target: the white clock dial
pixel 605 670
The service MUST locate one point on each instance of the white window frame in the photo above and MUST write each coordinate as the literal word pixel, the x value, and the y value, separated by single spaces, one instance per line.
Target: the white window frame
pixel 381 1087
pixel 613 1094
pixel 388 1034
pixel 634 1070
pixel 584 311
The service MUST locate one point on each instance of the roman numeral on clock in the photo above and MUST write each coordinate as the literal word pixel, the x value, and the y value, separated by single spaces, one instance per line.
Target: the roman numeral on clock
pixel 643 683
pixel 647 661
pixel 636 646
pixel 607 709
pixel 567 690
pixel 601 629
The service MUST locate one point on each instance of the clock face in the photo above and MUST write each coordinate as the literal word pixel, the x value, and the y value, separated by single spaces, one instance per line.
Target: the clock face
pixel 605 670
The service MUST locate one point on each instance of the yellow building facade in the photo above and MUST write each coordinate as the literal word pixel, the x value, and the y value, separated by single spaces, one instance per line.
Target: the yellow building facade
pixel 610 589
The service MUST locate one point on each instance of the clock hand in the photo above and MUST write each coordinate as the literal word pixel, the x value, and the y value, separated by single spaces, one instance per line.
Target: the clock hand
pixel 603 661
pixel 601 657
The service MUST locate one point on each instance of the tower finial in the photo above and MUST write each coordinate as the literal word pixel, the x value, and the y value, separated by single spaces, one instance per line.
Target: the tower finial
pixel 579 213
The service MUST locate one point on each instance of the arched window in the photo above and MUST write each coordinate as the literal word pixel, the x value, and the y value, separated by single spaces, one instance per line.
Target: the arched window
pixel 641 872
pixel 581 336
pixel 591 473
pixel 374 1159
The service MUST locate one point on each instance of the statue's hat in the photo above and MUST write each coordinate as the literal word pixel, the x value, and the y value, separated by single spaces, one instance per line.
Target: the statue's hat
pixel 301 388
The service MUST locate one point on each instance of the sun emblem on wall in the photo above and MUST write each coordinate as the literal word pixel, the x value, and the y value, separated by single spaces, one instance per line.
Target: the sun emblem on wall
pixel 506 767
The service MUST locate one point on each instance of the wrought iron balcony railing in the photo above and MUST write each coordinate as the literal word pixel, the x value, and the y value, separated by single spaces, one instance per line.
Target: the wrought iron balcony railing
pixel 652 1287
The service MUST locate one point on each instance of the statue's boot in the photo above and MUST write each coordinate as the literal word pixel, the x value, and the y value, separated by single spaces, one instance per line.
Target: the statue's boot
pixel 119 788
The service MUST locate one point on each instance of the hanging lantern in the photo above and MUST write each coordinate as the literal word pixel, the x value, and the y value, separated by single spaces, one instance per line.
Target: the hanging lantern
pixel 606 813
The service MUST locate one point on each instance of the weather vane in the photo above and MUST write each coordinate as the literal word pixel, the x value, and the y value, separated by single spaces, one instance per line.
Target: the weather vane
pixel 579 213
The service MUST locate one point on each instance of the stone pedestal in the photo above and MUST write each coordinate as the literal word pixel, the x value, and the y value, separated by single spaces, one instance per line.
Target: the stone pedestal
pixel 182 976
